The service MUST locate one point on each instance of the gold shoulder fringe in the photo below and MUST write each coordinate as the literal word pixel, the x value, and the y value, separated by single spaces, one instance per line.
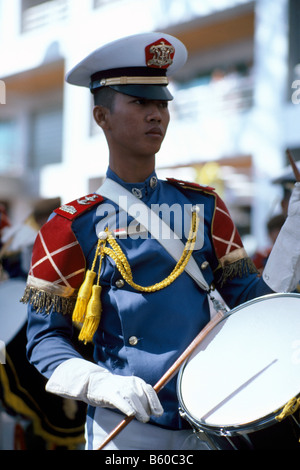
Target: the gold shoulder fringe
pixel 238 268
pixel 42 300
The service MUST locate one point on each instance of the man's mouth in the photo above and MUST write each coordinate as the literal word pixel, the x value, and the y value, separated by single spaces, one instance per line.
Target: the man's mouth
pixel 155 131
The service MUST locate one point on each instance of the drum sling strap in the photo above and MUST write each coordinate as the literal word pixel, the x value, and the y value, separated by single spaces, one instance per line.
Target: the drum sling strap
pixel 88 307
pixel 172 244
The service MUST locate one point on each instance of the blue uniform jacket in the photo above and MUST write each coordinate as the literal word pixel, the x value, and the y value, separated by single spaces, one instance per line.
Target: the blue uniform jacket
pixel 162 323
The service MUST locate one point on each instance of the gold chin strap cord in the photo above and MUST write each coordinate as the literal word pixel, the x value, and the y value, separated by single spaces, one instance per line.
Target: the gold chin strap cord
pixel 88 308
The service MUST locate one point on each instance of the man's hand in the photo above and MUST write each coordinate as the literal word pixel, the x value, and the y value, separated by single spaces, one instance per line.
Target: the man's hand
pixel 82 380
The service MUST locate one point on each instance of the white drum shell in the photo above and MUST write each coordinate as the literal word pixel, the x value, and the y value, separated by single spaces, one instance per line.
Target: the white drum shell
pixel 246 369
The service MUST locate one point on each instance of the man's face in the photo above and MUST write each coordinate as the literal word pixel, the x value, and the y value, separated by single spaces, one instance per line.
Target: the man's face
pixel 137 126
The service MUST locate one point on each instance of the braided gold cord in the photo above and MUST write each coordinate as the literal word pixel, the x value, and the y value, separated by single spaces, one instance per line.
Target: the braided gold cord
pixel 123 266
pixel 290 408
pixel 88 306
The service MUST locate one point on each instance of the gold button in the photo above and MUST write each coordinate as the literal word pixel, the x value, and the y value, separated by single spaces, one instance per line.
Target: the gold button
pixel 137 192
pixel 120 283
pixel 133 341
pixel 204 265
pixel 102 235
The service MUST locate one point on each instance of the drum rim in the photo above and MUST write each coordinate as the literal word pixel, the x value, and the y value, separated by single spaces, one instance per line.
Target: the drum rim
pixel 259 299
pixel 232 429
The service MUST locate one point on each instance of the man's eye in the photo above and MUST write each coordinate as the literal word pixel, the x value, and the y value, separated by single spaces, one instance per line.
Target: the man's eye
pixel 164 104
pixel 145 102
pixel 140 101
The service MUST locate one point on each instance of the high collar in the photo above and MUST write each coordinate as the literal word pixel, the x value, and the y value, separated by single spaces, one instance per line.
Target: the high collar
pixel 142 189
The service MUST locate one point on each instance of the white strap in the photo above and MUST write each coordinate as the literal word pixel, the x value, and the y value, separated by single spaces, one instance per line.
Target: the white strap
pixel 170 241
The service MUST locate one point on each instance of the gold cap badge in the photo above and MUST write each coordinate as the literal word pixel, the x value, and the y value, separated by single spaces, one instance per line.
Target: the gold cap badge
pixel 160 54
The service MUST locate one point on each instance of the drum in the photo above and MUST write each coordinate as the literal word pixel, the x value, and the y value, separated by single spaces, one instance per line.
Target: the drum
pixel 239 379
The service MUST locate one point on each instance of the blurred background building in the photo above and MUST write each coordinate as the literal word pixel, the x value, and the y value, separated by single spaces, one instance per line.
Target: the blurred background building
pixel 235 110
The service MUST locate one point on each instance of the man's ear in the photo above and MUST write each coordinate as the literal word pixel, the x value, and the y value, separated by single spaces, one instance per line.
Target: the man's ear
pixel 100 114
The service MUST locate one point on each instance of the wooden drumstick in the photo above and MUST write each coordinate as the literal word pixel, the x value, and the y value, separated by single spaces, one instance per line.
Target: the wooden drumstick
pixel 170 372
pixel 293 165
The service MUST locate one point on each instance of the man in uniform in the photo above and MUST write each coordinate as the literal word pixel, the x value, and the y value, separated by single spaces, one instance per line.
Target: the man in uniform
pixel 98 255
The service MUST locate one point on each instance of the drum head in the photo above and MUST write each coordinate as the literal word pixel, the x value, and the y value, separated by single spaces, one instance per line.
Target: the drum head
pixel 13 314
pixel 246 369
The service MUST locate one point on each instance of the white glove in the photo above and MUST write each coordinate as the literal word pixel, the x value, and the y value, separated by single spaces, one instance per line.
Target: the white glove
pixel 282 270
pixel 82 380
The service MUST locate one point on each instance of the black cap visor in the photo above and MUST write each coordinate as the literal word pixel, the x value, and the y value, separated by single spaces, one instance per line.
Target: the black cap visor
pixel 149 92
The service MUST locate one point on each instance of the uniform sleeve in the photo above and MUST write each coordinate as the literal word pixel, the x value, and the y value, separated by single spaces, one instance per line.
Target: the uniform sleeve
pixel 56 272
pixel 236 276
pixel 49 340
pixel 233 272
pixel 241 288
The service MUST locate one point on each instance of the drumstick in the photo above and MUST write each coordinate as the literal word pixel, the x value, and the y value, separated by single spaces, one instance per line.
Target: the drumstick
pixel 170 372
pixel 293 165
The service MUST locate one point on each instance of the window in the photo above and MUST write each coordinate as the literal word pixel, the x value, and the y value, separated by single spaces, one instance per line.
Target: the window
pixel 41 13
pixel 101 3
pixel 46 138
pixel 26 4
pixel 294 44
pixel 8 145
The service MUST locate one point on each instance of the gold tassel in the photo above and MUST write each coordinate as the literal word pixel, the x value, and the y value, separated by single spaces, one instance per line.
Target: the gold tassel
pixel 92 317
pixel 83 297
pixel 289 409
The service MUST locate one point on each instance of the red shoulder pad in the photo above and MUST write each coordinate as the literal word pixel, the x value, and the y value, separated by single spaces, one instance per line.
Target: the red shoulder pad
pixel 226 238
pixel 76 208
pixel 189 185
pixel 57 258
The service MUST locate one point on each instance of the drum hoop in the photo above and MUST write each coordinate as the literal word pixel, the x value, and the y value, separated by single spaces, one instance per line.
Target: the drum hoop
pixel 232 430
pixel 257 300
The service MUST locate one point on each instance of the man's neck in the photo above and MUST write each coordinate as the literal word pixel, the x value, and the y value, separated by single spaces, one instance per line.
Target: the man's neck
pixel 133 172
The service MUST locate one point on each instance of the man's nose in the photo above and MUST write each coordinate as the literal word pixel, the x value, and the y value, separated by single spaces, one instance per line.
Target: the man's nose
pixel 154 112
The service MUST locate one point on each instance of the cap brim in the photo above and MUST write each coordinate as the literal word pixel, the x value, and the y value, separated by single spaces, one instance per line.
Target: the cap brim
pixel 149 92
